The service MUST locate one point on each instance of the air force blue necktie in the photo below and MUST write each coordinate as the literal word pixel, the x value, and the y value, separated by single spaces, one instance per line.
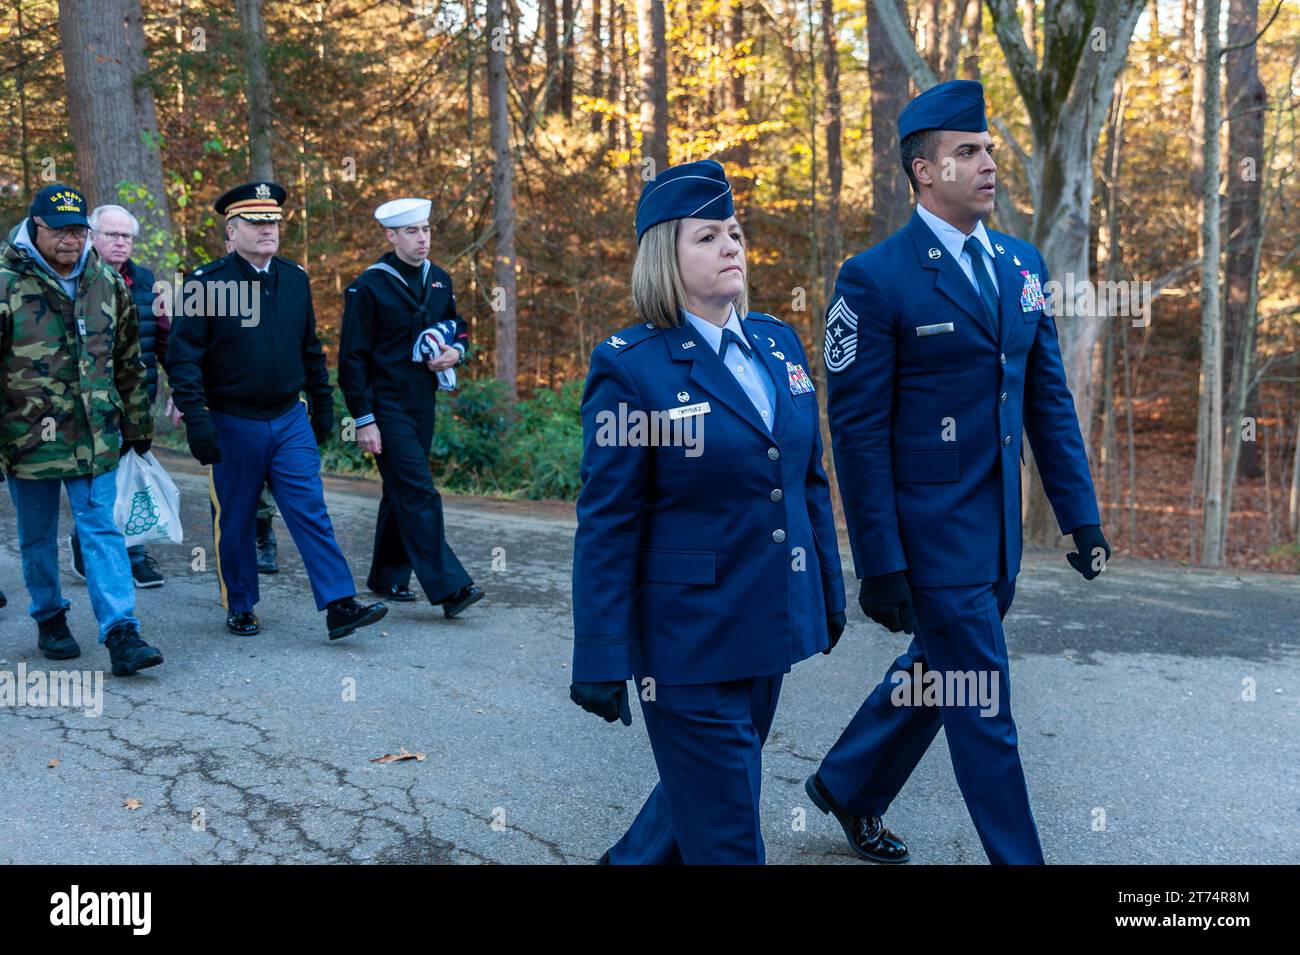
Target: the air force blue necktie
pixel 988 293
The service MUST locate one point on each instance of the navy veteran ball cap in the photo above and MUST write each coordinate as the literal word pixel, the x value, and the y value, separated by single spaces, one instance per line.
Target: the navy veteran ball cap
pixel 957 104
pixel 692 190
pixel 59 206
pixel 256 201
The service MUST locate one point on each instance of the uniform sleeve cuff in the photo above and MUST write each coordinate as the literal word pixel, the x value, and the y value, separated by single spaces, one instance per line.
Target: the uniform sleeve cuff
pixel 364 420
pixel 602 663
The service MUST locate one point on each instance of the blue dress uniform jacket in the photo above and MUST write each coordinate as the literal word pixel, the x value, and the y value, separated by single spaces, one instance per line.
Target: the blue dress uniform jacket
pixel 707 567
pixel 927 403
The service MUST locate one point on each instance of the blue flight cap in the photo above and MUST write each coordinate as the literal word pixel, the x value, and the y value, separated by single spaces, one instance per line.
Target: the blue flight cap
pixel 692 190
pixel 957 104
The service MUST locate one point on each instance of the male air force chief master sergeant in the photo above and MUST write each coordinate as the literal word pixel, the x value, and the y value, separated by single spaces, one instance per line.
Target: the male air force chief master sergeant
pixel 402 338
pixel 236 377
pixel 702 570
pixel 940 348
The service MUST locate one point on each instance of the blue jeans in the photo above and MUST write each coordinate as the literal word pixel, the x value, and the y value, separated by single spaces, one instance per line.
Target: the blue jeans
pixel 108 569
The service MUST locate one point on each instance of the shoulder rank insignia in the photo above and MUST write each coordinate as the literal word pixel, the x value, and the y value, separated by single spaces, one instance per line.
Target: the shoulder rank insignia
pixel 841 346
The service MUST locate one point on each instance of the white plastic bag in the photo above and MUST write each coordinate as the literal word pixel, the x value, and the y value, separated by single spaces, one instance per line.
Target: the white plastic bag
pixel 148 506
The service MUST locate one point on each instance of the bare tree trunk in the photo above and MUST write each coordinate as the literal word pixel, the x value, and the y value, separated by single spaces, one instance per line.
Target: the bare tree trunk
pixel 971 61
pixel 505 295
pixel 833 121
pixel 1210 410
pixel 1248 101
pixel 654 83
pixel 551 47
pixel 733 27
pixel 257 89
pixel 616 134
pixel 597 61
pixel 20 85
pixel 112 116
pixel 566 60
pixel 1030 15
pixel 930 27
pixel 1110 252
pixel 952 32
pixel 890 192
pixel 1195 51
pixel 154 248
pixel 1293 508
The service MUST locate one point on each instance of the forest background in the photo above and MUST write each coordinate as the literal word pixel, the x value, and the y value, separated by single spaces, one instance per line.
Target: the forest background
pixel 1141 150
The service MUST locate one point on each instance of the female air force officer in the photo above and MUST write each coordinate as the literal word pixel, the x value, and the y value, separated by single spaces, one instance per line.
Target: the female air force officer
pixel 705 561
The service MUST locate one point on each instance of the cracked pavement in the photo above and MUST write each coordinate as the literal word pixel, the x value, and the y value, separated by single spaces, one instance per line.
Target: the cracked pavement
pixel 1137 741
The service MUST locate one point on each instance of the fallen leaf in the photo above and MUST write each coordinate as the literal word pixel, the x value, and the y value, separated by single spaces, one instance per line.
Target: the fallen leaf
pixel 54 762
pixel 131 803
pixel 399 757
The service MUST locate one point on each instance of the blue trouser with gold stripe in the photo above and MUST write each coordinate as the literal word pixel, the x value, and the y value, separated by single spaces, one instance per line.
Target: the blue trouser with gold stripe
pixel 708 745
pixel 281 453
pixel 958 630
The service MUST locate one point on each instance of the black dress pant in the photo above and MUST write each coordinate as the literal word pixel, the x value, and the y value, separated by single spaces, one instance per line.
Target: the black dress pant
pixel 409 533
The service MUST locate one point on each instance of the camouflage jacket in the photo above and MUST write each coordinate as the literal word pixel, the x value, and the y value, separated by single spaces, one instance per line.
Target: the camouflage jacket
pixel 72 382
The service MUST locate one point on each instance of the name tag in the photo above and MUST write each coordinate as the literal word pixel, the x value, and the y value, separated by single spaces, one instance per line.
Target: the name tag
pixel 941 329
pixel 687 411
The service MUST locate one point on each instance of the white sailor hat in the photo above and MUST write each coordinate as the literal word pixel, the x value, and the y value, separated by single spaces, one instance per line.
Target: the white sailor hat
pixel 400 212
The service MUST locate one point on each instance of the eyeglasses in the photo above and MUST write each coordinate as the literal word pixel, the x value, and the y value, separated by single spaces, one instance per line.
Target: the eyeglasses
pixel 117 236
pixel 67 232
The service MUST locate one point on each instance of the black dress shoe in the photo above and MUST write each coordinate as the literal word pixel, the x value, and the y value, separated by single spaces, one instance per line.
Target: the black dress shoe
pixel 465 597
pixel 867 836
pixel 243 622
pixel 346 615
pixel 400 595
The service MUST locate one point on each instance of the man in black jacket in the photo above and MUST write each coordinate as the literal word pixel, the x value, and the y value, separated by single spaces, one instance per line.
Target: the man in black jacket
pixel 401 340
pixel 113 231
pixel 243 348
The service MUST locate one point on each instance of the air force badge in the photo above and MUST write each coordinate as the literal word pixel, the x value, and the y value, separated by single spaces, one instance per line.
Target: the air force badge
pixel 841 336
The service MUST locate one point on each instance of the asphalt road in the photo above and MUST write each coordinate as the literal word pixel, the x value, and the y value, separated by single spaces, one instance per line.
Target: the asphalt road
pixel 1138 741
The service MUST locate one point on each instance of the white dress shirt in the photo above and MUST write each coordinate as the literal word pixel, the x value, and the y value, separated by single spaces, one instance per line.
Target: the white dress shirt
pixel 954 241
pixel 749 373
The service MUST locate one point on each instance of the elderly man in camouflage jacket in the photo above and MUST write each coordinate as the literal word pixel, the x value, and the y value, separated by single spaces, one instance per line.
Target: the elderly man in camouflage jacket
pixel 72 400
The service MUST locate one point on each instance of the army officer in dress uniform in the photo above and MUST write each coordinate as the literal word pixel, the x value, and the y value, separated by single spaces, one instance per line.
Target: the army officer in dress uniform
pixel 940 350
pixel 705 561
pixel 239 356
pixel 397 305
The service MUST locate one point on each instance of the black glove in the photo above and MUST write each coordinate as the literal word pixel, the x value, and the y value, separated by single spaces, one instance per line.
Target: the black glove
pixel 322 425
pixel 608 700
pixel 202 437
pixel 1088 539
pixel 835 624
pixel 887 600
pixel 139 447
